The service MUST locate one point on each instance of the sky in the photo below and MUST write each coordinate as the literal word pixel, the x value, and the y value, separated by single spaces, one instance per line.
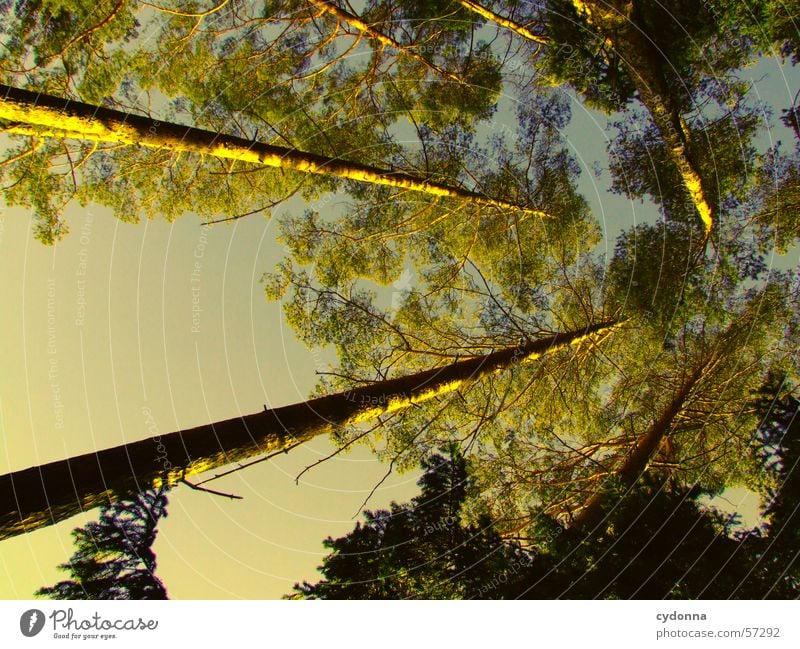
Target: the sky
pixel 100 332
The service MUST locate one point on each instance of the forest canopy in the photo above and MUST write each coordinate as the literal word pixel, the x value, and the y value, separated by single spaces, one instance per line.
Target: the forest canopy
pixel 438 241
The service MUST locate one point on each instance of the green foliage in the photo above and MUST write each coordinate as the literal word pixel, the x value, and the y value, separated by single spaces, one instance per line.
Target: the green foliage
pixel 396 282
pixel 440 102
pixel 777 446
pixel 295 86
pixel 656 541
pixel 73 35
pixel 720 148
pixel 114 557
pixel 654 270
pixel 777 201
pixel 421 550
pixel 580 57
pixel 766 26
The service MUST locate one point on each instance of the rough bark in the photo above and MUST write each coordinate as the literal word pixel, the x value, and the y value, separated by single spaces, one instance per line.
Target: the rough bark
pixel 43 495
pixel 29 113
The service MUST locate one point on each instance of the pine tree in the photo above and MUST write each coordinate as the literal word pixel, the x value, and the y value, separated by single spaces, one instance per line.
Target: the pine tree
pixel 421 550
pixel 114 558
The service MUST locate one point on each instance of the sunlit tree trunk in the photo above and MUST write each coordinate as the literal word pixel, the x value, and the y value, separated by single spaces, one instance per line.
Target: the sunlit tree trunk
pixel 515 27
pixel 617 23
pixel 43 495
pixel 375 34
pixel 29 113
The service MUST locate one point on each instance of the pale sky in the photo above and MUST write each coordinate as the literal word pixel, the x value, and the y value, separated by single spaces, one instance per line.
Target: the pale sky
pixel 78 377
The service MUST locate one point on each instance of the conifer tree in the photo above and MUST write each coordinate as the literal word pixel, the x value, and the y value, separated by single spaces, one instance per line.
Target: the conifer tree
pixel 114 558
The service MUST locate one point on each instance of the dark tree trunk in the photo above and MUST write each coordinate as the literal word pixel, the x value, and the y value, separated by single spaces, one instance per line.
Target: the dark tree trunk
pixel 43 495
pixel 636 463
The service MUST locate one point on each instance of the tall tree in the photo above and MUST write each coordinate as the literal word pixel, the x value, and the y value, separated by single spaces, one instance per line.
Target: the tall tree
pixel 675 57
pixel 283 70
pixel 38 115
pixel 44 495
pixel 507 22
pixel 626 30
pixel 419 550
pixel 674 401
pixel 114 558
pixel 398 286
pixel 660 541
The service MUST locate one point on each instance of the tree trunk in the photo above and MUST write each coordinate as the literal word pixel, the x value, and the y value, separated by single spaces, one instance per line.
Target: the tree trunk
pixel 635 465
pixel 376 35
pixel 504 22
pixel 43 495
pixel 30 113
pixel 616 21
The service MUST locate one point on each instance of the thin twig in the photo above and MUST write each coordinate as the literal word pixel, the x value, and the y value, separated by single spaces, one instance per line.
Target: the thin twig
pixel 375 488
pixel 249 464
pixel 210 491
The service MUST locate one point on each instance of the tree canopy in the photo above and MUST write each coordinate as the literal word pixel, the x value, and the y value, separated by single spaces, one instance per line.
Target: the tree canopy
pixel 445 253
pixel 657 540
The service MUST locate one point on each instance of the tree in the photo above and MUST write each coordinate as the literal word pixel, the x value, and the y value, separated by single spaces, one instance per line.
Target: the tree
pixel 114 557
pixel 385 40
pixel 721 150
pixel 38 116
pixel 695 428
pixel 44 495
pixel 419 550
pixel 776 446
pixel 505 22
pixel 460 285
pixel 282 69
pixel 611 51
pixel 659 542
pixel 669 391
